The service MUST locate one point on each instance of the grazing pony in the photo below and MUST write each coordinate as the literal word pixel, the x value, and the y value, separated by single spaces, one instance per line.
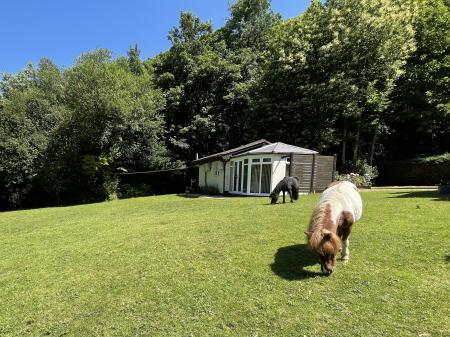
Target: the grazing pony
pixel 287 184
pixel 338 208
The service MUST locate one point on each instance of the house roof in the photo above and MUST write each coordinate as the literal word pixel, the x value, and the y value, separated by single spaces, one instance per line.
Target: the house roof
pixel 280 147
pixel 232 152
pixel 258 147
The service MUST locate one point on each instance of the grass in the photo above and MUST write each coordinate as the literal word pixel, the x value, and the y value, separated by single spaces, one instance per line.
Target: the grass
pixel 177 266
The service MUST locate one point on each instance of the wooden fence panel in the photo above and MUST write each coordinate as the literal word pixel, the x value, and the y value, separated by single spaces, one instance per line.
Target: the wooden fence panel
pixel 323 173
pixel 314 171
pixel 302 168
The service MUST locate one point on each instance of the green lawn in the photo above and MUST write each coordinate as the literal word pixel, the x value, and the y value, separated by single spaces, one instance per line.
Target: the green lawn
pixel 177 266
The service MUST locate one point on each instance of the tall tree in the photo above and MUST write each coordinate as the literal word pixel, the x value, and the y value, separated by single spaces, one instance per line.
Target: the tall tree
pixel 134 61
pixel 419 122
pixel 30 112
pixel 249 23
pixel 334 67
pixel 195 77
pixel 115 122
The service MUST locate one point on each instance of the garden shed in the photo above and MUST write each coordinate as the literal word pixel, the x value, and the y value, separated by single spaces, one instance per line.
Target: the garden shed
pixel 256 168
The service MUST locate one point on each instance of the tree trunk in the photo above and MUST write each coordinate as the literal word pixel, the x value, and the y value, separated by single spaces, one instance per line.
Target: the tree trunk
pixel 356 143
pixel 344 143
pixel 372 148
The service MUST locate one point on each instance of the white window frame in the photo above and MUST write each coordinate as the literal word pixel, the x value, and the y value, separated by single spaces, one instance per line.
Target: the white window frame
pixel 234 164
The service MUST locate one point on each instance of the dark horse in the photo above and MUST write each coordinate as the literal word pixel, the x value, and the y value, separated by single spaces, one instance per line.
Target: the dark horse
pixel 288 184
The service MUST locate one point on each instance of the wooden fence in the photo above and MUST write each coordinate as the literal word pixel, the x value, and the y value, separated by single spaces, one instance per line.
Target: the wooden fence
pixel 314 171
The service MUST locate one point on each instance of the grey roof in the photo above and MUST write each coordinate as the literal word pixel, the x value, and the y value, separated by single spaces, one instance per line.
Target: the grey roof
pixel 280 148
pixel 232 152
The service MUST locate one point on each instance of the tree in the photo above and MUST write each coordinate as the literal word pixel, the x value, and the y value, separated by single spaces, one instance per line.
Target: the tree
pixel 115 122
pixel 333 68
pixel 196 77
pixel 249 24
pixel 419 121
pixel 134 62
pixel 30 111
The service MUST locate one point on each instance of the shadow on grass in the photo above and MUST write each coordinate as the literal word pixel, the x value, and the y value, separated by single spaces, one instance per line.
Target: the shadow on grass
pixel 291 261
pixel 434 195
pixel 447 258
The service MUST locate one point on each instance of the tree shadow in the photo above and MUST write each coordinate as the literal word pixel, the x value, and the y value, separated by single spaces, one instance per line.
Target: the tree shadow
pixel 433 195
pixel 290 263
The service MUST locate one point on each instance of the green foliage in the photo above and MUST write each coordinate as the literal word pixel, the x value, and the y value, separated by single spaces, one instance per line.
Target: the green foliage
pixel 64 134
pixel 30 111
pixel 333 68
pixel 249 24
pixel 208 190
pixel 358 172
pixel 191 28
pixel 420 120
pixel 439 159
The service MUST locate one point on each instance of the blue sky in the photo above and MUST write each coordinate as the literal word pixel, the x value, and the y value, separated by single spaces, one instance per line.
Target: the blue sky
pixel 63 29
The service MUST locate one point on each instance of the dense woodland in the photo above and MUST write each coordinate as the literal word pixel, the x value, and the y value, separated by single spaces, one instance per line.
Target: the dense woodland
pixel 365 79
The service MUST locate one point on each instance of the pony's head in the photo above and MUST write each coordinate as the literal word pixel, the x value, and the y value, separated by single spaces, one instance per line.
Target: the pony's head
pixel 273 198
pixel 327 245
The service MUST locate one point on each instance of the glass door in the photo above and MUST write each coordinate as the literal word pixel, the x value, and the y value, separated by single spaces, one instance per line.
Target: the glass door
pixel 238 176
pixel 260 175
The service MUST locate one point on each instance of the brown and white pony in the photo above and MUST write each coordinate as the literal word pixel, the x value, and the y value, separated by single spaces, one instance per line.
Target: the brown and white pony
pixel 339 206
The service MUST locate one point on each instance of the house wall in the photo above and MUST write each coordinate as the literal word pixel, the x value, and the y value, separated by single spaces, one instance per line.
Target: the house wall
pixel 211 175
pixel 278 169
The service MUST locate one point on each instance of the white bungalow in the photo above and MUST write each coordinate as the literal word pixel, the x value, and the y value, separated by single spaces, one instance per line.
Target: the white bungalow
pixel 256 168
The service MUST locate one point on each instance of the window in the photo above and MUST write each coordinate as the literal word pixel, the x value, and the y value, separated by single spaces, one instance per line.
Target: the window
pixel 266 174
pixel 251 175
pixel 255 177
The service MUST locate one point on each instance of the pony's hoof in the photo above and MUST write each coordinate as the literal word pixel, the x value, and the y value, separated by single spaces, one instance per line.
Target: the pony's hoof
pixel 345 259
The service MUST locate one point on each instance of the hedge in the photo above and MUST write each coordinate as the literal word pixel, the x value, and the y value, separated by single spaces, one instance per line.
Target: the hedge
pixel 423 171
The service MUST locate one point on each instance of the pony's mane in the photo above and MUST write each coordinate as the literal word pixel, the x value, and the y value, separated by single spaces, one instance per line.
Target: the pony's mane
pixel 321 212
pixel 277 189
pixel 321 216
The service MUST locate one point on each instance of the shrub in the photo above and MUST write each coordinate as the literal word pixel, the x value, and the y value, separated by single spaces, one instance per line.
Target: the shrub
pixel 359 173
pixel 207 190
pixel 439 159
pixel 433 170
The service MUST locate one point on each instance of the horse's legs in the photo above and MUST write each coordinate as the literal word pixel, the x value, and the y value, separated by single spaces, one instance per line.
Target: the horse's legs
pixel 283 197
pixel 290 194
pixel 345 254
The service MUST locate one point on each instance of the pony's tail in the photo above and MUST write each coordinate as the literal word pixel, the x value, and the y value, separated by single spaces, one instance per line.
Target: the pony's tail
pixel 295 192
pixel 295 188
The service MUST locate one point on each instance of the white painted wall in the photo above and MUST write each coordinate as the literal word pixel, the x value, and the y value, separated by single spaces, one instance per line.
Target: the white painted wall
pixel 211 175
pixel 278 169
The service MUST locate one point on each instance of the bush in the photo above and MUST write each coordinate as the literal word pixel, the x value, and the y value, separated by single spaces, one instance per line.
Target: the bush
pixel 432 170
pixel 211 190
pixel 132 191
pixel 439 159
pixel 358 172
